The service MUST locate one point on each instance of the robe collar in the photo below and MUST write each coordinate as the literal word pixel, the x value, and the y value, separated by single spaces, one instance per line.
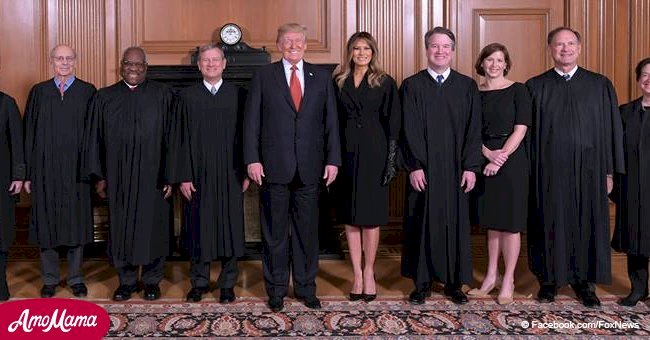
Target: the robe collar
pixel 209 86
pixel 435 74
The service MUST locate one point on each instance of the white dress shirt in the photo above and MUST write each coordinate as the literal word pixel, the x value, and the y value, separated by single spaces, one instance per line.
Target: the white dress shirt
pixel 435 75
pixel 300 73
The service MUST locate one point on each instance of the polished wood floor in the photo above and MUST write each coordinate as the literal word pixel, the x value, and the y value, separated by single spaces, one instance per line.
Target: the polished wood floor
pixel 334 278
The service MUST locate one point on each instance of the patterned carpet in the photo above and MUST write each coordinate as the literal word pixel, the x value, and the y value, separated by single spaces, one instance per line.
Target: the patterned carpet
pixel 385 318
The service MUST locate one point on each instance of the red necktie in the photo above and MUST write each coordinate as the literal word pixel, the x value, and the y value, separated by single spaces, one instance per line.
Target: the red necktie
pixel 62 88
pixel 294 87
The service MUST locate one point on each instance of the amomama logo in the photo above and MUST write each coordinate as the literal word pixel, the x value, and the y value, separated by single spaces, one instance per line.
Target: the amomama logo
pixel 52 319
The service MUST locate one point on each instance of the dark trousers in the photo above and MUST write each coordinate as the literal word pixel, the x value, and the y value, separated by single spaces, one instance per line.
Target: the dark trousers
pixel 152 273
pixel 4 289
pixel 290 236
pixel 577 286
pixel 200 273
pixel 3 265
pixel 637 271
pixel 50 265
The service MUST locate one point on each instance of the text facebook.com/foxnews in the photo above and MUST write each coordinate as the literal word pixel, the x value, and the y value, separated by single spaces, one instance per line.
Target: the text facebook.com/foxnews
pixel 599 324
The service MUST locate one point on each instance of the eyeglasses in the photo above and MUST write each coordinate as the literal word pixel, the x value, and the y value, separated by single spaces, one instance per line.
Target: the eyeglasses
pixel 61 59
pixel 136 64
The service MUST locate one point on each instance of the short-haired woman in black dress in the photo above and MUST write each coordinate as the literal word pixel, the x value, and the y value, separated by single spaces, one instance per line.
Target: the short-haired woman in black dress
pixel 632 191
pixel 502 191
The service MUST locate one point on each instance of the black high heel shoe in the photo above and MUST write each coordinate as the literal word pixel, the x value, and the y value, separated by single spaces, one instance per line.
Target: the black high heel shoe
pixel 369 297
pixel 356 297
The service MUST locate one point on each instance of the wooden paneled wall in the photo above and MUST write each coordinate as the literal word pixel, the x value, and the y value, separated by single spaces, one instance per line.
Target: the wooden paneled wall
pixel 614 34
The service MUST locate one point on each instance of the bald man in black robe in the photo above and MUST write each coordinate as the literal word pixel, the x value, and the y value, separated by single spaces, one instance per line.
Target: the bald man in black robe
pixel 127 151
pixel 61 203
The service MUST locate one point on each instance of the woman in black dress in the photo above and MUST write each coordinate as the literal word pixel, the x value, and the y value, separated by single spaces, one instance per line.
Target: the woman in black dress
pixel 12 174
pixel 632 191
pixel 370 118
pixel 502 191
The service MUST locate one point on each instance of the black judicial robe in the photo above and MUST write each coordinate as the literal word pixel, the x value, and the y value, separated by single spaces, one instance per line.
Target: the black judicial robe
pixel 211 158
pixel 12 167
pixel 126 144
pixel 442 134
pixel 632 190
pixel 54 128
pixel 576 140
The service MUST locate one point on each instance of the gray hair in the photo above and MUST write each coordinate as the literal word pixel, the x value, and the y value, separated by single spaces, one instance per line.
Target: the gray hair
pixel 211 46
pixel 74 53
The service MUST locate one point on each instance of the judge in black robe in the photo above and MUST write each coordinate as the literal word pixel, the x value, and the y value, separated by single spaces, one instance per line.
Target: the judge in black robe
pixel 126 148
pixel 632 191
pixel 576 148
pixel 212 174
pixel 442 135
pixel 12 174
pixel 61 202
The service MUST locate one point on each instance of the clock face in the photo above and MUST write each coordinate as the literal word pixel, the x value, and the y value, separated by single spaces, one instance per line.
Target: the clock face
pixel 230 34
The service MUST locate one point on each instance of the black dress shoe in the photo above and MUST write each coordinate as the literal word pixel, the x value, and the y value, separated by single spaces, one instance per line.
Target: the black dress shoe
pixel 457 296
pixel 227 295
pixel 418 297
pixel 369 297
pixel 355 297
pixel 310 301
pixel 196 294
pixel 123 292
pixel 589 299
pixel 632 299
pixel 48 291
pixel 546 294
pixel 276 303
pixel 151 292
pixel 79 290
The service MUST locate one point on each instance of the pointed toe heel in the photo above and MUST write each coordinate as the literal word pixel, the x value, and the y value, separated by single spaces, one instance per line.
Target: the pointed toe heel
pixel 355 297
pixel 505 300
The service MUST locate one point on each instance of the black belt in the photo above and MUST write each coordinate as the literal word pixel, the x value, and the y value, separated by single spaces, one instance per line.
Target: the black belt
pixel 496 136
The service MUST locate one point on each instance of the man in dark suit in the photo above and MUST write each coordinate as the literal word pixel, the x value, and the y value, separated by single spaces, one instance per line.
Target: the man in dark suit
pixel 291 142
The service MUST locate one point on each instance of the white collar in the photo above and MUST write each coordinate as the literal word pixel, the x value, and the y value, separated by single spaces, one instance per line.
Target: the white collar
pixel 209 86
pixel 129 85
pixel 435 74
pixel 287 65
pixel 570 73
